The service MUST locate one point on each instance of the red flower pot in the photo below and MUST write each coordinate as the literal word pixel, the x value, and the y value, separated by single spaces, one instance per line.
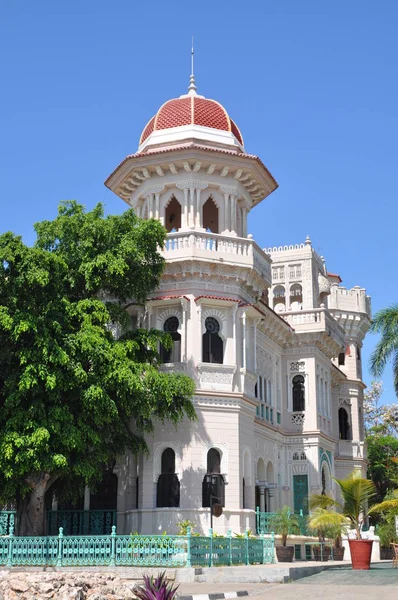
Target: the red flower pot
pixel 361 551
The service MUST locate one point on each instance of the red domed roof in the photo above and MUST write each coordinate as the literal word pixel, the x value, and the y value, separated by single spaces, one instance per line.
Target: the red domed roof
pixel 191 110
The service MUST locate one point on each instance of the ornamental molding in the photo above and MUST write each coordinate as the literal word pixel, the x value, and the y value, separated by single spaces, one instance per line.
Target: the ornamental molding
pixel 158 449
pixel 324 284
pixel 297 366
pixel 229 189
pixel 219 402
pixel 216 373
pixel 170 312
pixel 152 189
pixel 221 318
pixel 192 184
pixel 300 469
pixel 344 401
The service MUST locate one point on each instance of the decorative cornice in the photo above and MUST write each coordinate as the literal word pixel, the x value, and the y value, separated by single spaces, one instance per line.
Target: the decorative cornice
pixel 152 189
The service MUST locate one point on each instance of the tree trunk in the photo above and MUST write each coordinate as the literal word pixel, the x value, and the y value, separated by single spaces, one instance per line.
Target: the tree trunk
pixel 31 508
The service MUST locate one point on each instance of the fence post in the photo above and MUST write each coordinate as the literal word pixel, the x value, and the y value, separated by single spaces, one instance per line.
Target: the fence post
pixel 273 547
pixel 10 545
pixel 188 563
pixel 258 524
pixel 113 546
pixel 229 536
pixel 60 537
pixel 210 547
pixel 247 546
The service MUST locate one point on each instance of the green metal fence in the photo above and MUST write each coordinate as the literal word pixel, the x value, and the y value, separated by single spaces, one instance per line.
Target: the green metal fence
pixel 264 522
pixel 135 550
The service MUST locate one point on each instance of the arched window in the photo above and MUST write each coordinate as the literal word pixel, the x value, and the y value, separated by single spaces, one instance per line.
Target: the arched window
pixel 279 298
pixel 296 297
pixel 344 425
pixel 172 219
pixel 213 486
pixel 212 344
pixel 173 354
pixel 296 456
pixel 298 393
pixel 168 486
pixel 303 456
pixel 210 215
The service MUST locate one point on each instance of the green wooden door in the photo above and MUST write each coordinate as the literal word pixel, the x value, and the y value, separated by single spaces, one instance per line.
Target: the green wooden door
pixel 300 493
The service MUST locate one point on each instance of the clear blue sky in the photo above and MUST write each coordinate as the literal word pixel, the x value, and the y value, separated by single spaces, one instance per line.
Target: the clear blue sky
pixel 312 85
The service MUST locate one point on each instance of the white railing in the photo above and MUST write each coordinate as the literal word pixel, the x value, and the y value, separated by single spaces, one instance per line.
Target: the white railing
pixel 213 245
pixel 317 319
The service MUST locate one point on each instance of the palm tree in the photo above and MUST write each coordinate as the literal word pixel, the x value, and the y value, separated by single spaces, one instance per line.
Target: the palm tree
pixel 357 493
pixel 385 322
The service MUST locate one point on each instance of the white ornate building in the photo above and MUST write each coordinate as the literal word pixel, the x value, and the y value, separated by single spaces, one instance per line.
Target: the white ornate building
pixel 271 339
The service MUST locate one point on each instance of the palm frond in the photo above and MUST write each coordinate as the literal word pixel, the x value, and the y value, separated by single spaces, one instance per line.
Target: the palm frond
pixel 322 501
pixel 357 492
pixel 385 506
pixel 385 320
pixel 385 348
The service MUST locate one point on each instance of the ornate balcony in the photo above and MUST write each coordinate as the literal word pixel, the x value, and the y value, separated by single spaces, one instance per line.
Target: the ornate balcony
pixel 213 247
pixel 318 321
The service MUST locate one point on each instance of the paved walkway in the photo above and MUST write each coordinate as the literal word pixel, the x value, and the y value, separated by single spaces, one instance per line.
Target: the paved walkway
pixel 380 583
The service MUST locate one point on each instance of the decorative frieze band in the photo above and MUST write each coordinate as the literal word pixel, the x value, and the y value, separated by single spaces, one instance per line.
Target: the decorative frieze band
pixel 192 184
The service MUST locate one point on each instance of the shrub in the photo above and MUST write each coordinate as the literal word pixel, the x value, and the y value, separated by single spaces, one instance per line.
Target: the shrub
pixel 156 588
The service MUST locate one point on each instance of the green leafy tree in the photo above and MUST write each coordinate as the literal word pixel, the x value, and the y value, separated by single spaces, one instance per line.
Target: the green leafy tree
pixel 382 461
pixel 385 322
pixel 72 395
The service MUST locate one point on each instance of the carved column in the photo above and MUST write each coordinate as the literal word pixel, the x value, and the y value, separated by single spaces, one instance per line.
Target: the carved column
pixel 192 207
pixel 184 329
pixel 226 212
pixel 200 333
pixel 157 200
pixel 198 220
pixel 184 216
pixel 262 498
pixel 233 213
pixel 243 317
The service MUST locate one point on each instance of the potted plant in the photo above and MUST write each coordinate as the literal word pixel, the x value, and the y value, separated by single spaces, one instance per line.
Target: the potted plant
pixel 357 493
pixel 327 524
pixel 284 523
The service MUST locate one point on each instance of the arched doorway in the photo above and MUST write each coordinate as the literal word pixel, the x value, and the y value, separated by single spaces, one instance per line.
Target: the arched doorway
pixel 210 215
pixel 172 219
pixel 260 496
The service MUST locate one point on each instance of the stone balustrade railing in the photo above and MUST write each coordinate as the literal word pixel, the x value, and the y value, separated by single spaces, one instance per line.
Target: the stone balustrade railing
pixel 317 319
pixel 242 251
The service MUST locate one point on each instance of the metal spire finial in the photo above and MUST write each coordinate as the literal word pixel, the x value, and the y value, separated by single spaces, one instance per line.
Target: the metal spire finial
pixel 192 86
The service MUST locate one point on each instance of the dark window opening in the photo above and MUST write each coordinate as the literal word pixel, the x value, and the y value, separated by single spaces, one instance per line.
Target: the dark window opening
pixel 210 216
pixel 341 358
pixel 323 482
pixel 243 493
pixel 213 488
pixel 358 353
pixel 105 495
pixel 344 425
pixel 298 393
pixel 172 354
pixel 168 486
pixel 173 215
pixel 213 346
